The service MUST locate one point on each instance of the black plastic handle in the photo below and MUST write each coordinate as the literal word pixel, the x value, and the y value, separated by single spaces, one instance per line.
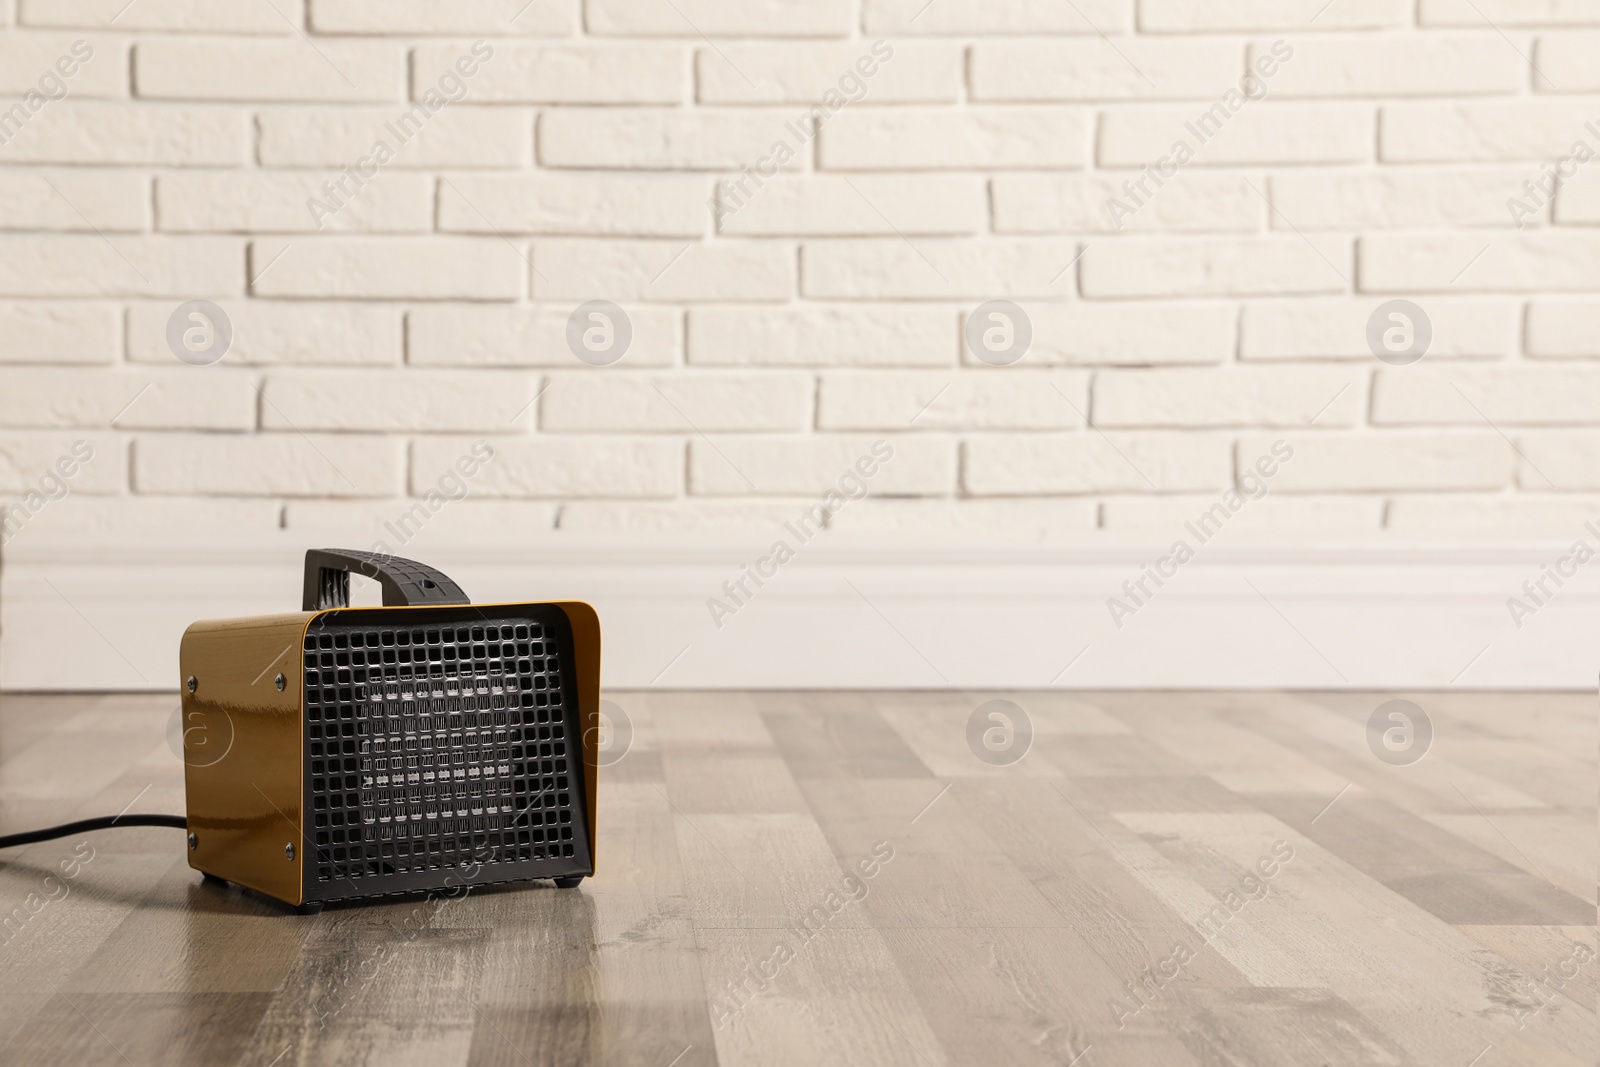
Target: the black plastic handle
pixel 405 582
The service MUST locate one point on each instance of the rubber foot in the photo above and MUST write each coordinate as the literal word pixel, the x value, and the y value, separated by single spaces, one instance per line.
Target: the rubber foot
pixel 569 882
pixel 308 909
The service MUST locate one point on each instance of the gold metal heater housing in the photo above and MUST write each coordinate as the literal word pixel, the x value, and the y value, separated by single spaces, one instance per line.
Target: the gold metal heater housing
pixel 340 753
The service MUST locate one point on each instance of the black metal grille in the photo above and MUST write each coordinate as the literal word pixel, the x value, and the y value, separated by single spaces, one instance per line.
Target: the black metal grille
pixel 436 746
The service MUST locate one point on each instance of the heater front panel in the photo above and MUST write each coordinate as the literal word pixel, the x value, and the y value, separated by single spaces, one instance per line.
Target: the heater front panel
pixel 443 748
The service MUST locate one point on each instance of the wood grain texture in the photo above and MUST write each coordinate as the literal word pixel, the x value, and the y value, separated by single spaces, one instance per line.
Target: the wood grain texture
pixel 839 878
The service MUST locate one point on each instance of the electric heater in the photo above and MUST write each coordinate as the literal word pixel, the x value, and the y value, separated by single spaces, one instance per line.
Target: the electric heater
pixel 342 753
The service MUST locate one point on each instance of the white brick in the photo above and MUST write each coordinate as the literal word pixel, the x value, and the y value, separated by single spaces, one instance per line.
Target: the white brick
pixel 1366 65
pixel 1577 201
pixel 269 332
pixel 1337 328
pixel 864 204
pixel 1501 517
pixel 1509 12
pixel 409 527
pixel 440 268
pixel 86 66
pixel 104 200
pixel 1205 16
pixel 676 403
pixel 58 332
pixel 438 478
pixel 654 271
pixel 1404 199
pixel 795 73
pixel 1534 130
pixel 1558 460
pixel 1265 518
pixel 221 68
pixel 1130 333
pixel 1089 462
pixel 225 16
pixel 1378 462
pixel 1229 396
pixel 268 202
pixel 1204 266
pixel 1263 132
pixel 1003 521
pixel 91 265
pixel 679 516
pixel 490 18
pixel 965 139
pixel 187 398
pixel 989 399
pixel 1565 63
pixel 1073 203
pixel 560 74
pixel 715 18
pixel 656 205
pixel 996 16
pixel 920 465
pixel 1553 259
pixel 824 336
pixel 1089 69
pixel 1564 329
pixel 565 466
pixel 156 522
pixel 27 457
pixel 936 268
pixel 425 401
pixel 267 464
pixel 101 134
pixel 456 137
pixel 488 336
pixel 1467 396
pixel 666 139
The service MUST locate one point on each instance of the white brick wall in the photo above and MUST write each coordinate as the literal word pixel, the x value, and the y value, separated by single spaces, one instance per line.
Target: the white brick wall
pixel 798 204
pixel 1299 16
pixel 990 138
pixel 677 403
pixel 60 332
pixel 91 265
pixel 219 68
pixel 1260 134
pixel 656 205
pixel 801 73
pixel 74 200
pixel 935 400
pixel 103 70
pixel 557 74
pixel 443 268
pixel 548 18
pixel 246 202
pixel 1084 69
pixel 983 17
pixel 457 137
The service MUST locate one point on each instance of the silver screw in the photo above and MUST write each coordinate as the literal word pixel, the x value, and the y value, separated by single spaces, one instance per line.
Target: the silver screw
pixel 280 682
pixel 194 842
pixel 288 851
pixel 193 684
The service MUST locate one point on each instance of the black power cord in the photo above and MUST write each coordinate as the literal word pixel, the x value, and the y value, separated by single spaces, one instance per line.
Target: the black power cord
pixel 105 822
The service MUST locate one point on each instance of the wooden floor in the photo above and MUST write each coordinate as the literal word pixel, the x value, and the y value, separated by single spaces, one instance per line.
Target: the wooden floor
pixel 789 878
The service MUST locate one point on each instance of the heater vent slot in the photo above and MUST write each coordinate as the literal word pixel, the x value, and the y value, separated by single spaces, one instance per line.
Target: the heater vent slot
pixel 437 747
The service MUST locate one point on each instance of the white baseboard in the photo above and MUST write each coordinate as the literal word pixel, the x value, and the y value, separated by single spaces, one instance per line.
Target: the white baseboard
pixel 860 616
